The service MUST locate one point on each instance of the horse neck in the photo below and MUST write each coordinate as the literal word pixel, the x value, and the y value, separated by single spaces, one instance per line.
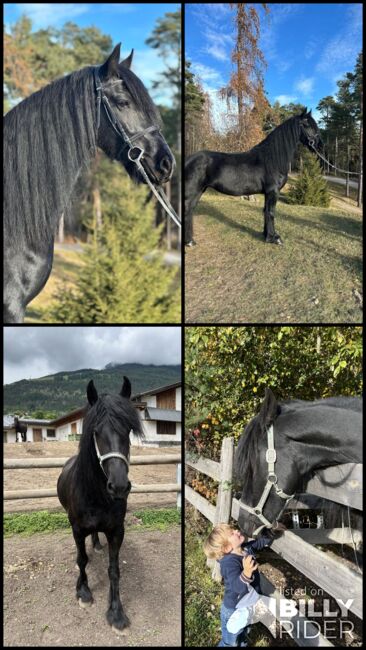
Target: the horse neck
pixel 280 146
pixel 322 443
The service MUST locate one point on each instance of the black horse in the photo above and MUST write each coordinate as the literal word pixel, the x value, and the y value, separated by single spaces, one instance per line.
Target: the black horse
pixel 48 139
pixel 93 487
pixel 20 428
pixel 261 170
pixel 306 436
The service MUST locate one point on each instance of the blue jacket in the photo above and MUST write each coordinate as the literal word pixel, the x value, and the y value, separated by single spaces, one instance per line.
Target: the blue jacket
pixel 231 566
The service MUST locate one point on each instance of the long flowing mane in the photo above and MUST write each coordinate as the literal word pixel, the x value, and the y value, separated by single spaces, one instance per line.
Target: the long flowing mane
pixel 51 133
pixel 247 455
pixel 279 145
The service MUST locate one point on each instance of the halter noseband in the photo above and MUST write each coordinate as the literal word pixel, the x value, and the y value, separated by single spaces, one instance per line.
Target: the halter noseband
pixel 128 141
pixel 112 454
pixel 271 482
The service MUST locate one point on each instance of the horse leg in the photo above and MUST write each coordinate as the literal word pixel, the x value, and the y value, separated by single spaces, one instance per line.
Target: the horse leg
pixel 96 543
pixel 194 188
pixel 116 617
pixel 189 206
pixel 83 592
pixel 271 236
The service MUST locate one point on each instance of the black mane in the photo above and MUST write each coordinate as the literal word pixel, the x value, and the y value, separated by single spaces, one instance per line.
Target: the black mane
pixel 279 145
pixel 247 455
pixel 34 134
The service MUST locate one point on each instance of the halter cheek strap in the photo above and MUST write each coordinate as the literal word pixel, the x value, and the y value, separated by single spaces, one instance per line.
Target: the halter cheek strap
pixel 112 454
pixel 271 483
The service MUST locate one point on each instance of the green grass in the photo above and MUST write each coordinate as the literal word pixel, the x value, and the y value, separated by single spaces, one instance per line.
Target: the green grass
pixel 27 524
pixel 233 276
pixel 203 596
pixel 159 519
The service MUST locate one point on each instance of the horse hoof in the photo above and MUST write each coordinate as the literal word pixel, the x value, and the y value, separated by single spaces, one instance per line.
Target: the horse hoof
pixel 123 632
pixel 84 604
pixel 98 550
pixel 191 243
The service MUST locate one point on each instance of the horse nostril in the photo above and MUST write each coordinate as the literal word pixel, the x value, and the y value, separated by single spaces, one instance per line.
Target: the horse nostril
pixel 165 165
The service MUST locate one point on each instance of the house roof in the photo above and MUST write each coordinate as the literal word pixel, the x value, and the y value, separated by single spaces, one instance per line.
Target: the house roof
pixel 154 391
pixel 166 415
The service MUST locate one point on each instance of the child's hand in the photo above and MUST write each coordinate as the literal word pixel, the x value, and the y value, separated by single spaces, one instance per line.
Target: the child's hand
pixel 249 566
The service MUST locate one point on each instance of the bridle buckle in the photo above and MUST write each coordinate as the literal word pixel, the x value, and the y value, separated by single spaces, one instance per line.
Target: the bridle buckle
pixel 140 155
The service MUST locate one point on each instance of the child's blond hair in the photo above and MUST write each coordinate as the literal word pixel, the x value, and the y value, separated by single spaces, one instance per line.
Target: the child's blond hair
pixel 214 546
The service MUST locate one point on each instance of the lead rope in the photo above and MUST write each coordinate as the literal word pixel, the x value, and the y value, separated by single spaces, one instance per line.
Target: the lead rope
pixel 158 192
pixel 343 171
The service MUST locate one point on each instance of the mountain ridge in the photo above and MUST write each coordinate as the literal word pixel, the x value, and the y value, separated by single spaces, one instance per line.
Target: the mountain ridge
pixel 65 391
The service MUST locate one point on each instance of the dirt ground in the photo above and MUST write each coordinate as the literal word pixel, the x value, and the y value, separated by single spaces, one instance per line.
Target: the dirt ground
pixel 40 605
pixel 26 479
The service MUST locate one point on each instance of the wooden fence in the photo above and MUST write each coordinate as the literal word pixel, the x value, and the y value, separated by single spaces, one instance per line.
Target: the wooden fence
pixel 341 484
pixel 59 462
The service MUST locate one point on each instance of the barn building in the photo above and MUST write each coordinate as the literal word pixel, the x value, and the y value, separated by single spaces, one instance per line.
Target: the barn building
pixel 160 411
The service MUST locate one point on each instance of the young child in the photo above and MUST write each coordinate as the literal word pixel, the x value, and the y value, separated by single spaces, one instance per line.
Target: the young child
pixel 239 572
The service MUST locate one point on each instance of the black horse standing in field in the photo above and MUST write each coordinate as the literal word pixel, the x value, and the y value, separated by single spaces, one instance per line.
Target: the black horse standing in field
pixel 48 139
pixel 284 444
pixel 21 428
pixel 261 170
pixel 93 487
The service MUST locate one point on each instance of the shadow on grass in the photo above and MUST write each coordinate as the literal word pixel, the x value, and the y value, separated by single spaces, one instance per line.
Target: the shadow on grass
pixel 214 213
pixel 342 225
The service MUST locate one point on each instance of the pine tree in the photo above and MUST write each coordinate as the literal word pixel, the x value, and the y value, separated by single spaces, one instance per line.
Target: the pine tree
pixel 124 278
pixel 310 188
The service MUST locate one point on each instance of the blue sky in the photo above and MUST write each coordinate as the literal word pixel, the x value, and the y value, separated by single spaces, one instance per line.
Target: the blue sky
pixel 307 47
pixel 129 23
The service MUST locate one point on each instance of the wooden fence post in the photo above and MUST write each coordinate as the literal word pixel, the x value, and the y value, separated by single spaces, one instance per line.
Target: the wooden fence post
pixel 224 495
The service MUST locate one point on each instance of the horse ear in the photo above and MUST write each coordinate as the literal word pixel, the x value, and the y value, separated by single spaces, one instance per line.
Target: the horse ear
pixel 110 66
pixel 127 62
pixel 91 393
pixel 126 388
pixel 269 409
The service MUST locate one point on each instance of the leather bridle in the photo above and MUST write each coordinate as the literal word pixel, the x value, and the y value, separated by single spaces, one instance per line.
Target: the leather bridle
pixel 112 454
pixel 271 483
pixel 135 154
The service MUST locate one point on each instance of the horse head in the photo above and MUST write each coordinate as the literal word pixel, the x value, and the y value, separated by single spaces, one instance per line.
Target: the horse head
pixel 129 124
pixel 309 131
pixel 107 427
pixel 265 469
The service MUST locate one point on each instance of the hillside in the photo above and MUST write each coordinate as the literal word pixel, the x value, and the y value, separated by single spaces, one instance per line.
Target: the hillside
pixel 66 391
